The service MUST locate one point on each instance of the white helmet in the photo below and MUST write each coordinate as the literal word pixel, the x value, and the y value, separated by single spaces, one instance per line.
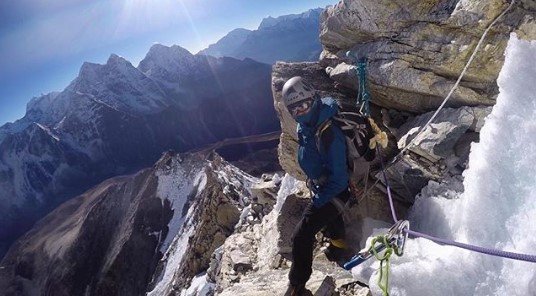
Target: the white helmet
pixel 296 90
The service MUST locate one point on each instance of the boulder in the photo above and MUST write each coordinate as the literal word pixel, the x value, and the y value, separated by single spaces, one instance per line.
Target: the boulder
pixel 441 150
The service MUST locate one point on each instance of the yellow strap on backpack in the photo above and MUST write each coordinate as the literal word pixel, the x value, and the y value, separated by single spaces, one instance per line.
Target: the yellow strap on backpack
pixel 380 137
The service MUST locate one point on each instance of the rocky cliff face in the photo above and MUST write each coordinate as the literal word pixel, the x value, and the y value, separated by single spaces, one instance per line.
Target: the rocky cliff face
pixel 115 118
pixel 416 51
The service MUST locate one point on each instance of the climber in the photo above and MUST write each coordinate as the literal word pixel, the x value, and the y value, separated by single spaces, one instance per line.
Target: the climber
pixel 322 156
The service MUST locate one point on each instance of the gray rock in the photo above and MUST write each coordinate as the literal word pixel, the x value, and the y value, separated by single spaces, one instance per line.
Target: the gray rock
pixel 440 138
pixel 440 151
pixel 417 49
pixel 240 261
pixel 344 74
pixel 408 176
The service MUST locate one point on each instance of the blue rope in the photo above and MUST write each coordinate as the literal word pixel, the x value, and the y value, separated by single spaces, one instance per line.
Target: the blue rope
pixel 442 241
pixel 363 96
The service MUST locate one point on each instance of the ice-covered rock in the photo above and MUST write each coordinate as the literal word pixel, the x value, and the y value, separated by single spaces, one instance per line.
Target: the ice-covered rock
pixel 494 208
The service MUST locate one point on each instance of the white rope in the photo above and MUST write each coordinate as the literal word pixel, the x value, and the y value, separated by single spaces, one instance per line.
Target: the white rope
pixel 457 82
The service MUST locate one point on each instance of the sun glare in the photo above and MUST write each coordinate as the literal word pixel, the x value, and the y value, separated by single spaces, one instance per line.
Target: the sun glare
pixel 148 15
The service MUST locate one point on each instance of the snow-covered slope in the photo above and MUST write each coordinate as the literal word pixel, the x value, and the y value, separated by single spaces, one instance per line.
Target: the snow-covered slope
pixel 200 222
pixel 496 208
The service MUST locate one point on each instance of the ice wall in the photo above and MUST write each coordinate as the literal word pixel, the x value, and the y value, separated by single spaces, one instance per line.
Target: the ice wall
pixel 497 208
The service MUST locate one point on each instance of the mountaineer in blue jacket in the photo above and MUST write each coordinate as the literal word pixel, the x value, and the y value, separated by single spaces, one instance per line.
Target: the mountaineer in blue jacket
pixel 322 156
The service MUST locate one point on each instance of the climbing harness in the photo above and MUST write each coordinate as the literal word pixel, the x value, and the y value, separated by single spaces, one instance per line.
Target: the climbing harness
pixel 363 95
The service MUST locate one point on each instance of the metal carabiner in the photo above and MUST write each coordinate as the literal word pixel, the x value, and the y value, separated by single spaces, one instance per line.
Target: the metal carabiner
pixel 398 235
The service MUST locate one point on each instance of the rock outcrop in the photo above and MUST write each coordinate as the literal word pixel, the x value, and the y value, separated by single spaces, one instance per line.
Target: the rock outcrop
pixel 255 260
pixel 440 151
pixel 156 229
pixel 417 49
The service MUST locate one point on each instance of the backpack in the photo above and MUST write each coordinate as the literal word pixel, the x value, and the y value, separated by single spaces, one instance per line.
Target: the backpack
pixel 358 132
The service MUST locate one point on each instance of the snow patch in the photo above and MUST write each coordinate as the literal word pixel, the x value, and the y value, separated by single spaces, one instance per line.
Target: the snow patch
pixel 176 186
pixel 288 186
pixel 199 287
pixel 172 260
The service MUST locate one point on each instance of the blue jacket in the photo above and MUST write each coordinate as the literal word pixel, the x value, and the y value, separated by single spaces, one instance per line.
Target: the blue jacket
pixel 326 166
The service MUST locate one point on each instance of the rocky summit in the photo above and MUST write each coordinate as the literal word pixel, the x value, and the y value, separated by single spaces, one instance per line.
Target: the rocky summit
pixel 194 224
pixel 154 230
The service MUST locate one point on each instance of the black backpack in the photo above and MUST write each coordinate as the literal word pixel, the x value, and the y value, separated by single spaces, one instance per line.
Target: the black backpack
pixel 358 131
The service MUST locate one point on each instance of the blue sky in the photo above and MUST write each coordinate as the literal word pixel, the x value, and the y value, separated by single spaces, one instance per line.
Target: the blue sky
pixel 43 43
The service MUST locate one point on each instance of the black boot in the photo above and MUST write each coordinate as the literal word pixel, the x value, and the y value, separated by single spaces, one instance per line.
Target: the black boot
pixel 296 290
pixel 337 251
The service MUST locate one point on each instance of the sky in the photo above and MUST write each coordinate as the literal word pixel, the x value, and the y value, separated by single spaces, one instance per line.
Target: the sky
pixel 43 43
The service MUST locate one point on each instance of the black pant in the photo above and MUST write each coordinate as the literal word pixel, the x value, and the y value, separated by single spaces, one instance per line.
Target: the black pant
pixel 313 220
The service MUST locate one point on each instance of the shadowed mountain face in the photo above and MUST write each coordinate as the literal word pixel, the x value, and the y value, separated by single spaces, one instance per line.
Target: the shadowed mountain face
pixel 115 118
pixel 110 239
pixel 286 38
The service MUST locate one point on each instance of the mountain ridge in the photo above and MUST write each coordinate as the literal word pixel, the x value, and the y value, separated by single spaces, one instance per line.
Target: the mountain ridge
pixel 113 119
pixel 291 38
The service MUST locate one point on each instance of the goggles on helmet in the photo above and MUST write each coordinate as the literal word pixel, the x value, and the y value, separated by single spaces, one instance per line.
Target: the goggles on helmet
pixel 300 108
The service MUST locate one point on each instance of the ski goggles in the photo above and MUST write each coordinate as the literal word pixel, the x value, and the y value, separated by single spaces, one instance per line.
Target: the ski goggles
pixel 300 108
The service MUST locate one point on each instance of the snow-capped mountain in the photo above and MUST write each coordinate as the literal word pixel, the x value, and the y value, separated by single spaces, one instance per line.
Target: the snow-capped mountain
pixel 286 38
pixel 115 118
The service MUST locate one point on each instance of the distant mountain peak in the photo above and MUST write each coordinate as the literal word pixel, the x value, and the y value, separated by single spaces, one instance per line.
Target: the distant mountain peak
pixel 291 38
pixel 165 57
pixel 273 21
pixel 116 59
pixel 228 43
pixel 174 51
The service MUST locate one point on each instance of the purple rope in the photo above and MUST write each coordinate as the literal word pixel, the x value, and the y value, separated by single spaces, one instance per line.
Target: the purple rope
pixel 442 241
pixel 488 251
pixel 393 213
